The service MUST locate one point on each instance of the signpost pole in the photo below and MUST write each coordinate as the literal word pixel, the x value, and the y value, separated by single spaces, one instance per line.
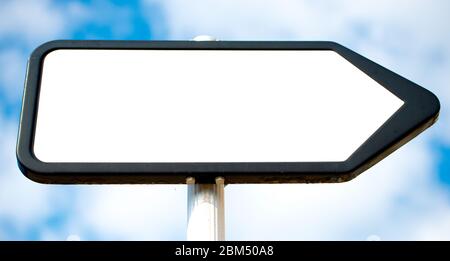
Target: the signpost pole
pixel 206 219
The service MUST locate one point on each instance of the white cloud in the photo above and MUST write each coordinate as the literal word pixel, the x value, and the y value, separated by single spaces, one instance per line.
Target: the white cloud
pixel 373 238
pixel 305 20
pixel 31 21
pixel 12 75
pixel 133 212
pixel 21 200
pixel 435 226
pixel 73 237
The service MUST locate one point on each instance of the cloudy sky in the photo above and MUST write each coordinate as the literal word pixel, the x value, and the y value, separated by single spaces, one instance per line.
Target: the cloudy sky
pixel 404 197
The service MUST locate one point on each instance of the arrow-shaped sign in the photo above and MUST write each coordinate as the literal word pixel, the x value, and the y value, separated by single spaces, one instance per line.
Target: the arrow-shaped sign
pixel 252 112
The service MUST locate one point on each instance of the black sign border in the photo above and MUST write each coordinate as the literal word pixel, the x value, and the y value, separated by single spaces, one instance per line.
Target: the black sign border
pixel 419 111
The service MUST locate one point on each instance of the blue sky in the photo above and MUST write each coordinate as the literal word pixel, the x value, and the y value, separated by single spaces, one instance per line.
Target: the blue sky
pixel 405 197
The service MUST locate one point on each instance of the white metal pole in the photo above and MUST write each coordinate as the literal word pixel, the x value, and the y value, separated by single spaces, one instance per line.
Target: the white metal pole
pixel 206 219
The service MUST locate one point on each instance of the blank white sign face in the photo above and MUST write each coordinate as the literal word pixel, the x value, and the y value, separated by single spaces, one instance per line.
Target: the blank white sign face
pixel 205 106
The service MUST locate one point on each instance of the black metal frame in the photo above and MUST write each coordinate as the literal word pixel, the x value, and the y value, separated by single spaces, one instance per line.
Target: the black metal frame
pixel 419 111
